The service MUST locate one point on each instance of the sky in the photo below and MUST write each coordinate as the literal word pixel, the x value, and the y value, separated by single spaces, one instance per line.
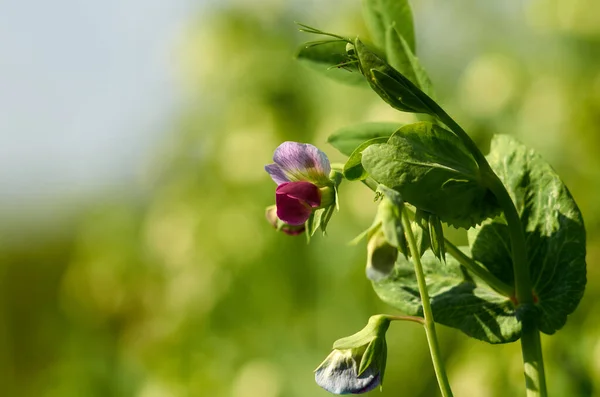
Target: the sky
pixel 85 90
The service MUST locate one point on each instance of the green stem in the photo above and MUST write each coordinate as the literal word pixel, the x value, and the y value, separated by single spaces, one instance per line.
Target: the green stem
pixel 531 348
pixel 413 319
pixel 533 361
pixel 434 347
pixel 479 270
pixel 370 183
pixel 465 260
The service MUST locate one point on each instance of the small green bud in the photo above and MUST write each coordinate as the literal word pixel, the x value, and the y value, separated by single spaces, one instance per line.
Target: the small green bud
pixel 381 257
pixel 389 214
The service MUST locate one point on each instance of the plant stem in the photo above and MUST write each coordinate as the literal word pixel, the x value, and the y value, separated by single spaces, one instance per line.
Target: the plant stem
pixel 533 361
pixel 414 319
pixel 479 270
pixel 434 347
pixel 531 347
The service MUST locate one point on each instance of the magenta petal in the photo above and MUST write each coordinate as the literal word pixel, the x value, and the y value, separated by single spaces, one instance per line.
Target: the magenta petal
pixel 302 160
pixel 296 200
pixel 304 191
pixel 292 211
pixel 276 173
pixel 292 230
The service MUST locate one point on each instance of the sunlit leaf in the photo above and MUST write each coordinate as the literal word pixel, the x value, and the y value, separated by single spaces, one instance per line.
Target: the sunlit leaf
pixel 433 171
pixel 553 229
pixel 380 14
pixel 403 59
pixel 353 169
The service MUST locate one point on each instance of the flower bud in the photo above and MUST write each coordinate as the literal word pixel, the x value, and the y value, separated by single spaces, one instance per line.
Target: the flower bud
pixel 292 230
pixel 381 257
pixel 357 363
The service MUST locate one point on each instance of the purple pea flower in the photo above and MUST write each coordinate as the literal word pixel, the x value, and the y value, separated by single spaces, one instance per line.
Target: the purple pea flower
pixel 301 172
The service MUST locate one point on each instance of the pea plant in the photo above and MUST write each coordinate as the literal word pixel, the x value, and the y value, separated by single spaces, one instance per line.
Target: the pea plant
pixel 524 269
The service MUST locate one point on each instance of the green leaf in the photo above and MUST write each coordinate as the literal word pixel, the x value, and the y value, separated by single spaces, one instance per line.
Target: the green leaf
pixel 349 138
pixel 458 299
pixel 353 169
pixel 433 171
pixel 314 222
pixel 326 217
pixel 392 86
pixel 380 14
pixel 402 58
pixel 554 232
pixel 325 56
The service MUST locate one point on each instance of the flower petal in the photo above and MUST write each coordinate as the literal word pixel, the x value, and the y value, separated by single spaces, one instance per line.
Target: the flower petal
pixel 276 173
pixel 296 200
pixel 302 161
pixel 338 375
pixel 304 191
pixel 292 230
pixel 292 211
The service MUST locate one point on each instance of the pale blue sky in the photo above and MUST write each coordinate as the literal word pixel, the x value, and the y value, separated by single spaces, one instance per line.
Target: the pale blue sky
pixel 85 89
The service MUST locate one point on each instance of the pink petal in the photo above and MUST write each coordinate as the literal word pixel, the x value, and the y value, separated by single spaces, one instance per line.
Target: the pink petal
pixel 302 190
pixel 296 200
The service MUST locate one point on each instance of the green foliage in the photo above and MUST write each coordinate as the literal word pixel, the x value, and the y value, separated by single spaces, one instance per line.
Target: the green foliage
pixel 389 213
pixel 393 87
pixel 420 229
pixel 458 299
pixel 353 169
pixel 348 139
pixel 436 237
pixel 379 15
pixel 433 171
pixel 553 228
pixel 402 58
pixel 329 57
pixel 320 218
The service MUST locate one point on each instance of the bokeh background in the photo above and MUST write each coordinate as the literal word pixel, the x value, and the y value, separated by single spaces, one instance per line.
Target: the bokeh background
pixel 134 256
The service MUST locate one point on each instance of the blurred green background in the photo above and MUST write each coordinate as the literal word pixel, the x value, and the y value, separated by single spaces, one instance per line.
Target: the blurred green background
pixel 174 284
